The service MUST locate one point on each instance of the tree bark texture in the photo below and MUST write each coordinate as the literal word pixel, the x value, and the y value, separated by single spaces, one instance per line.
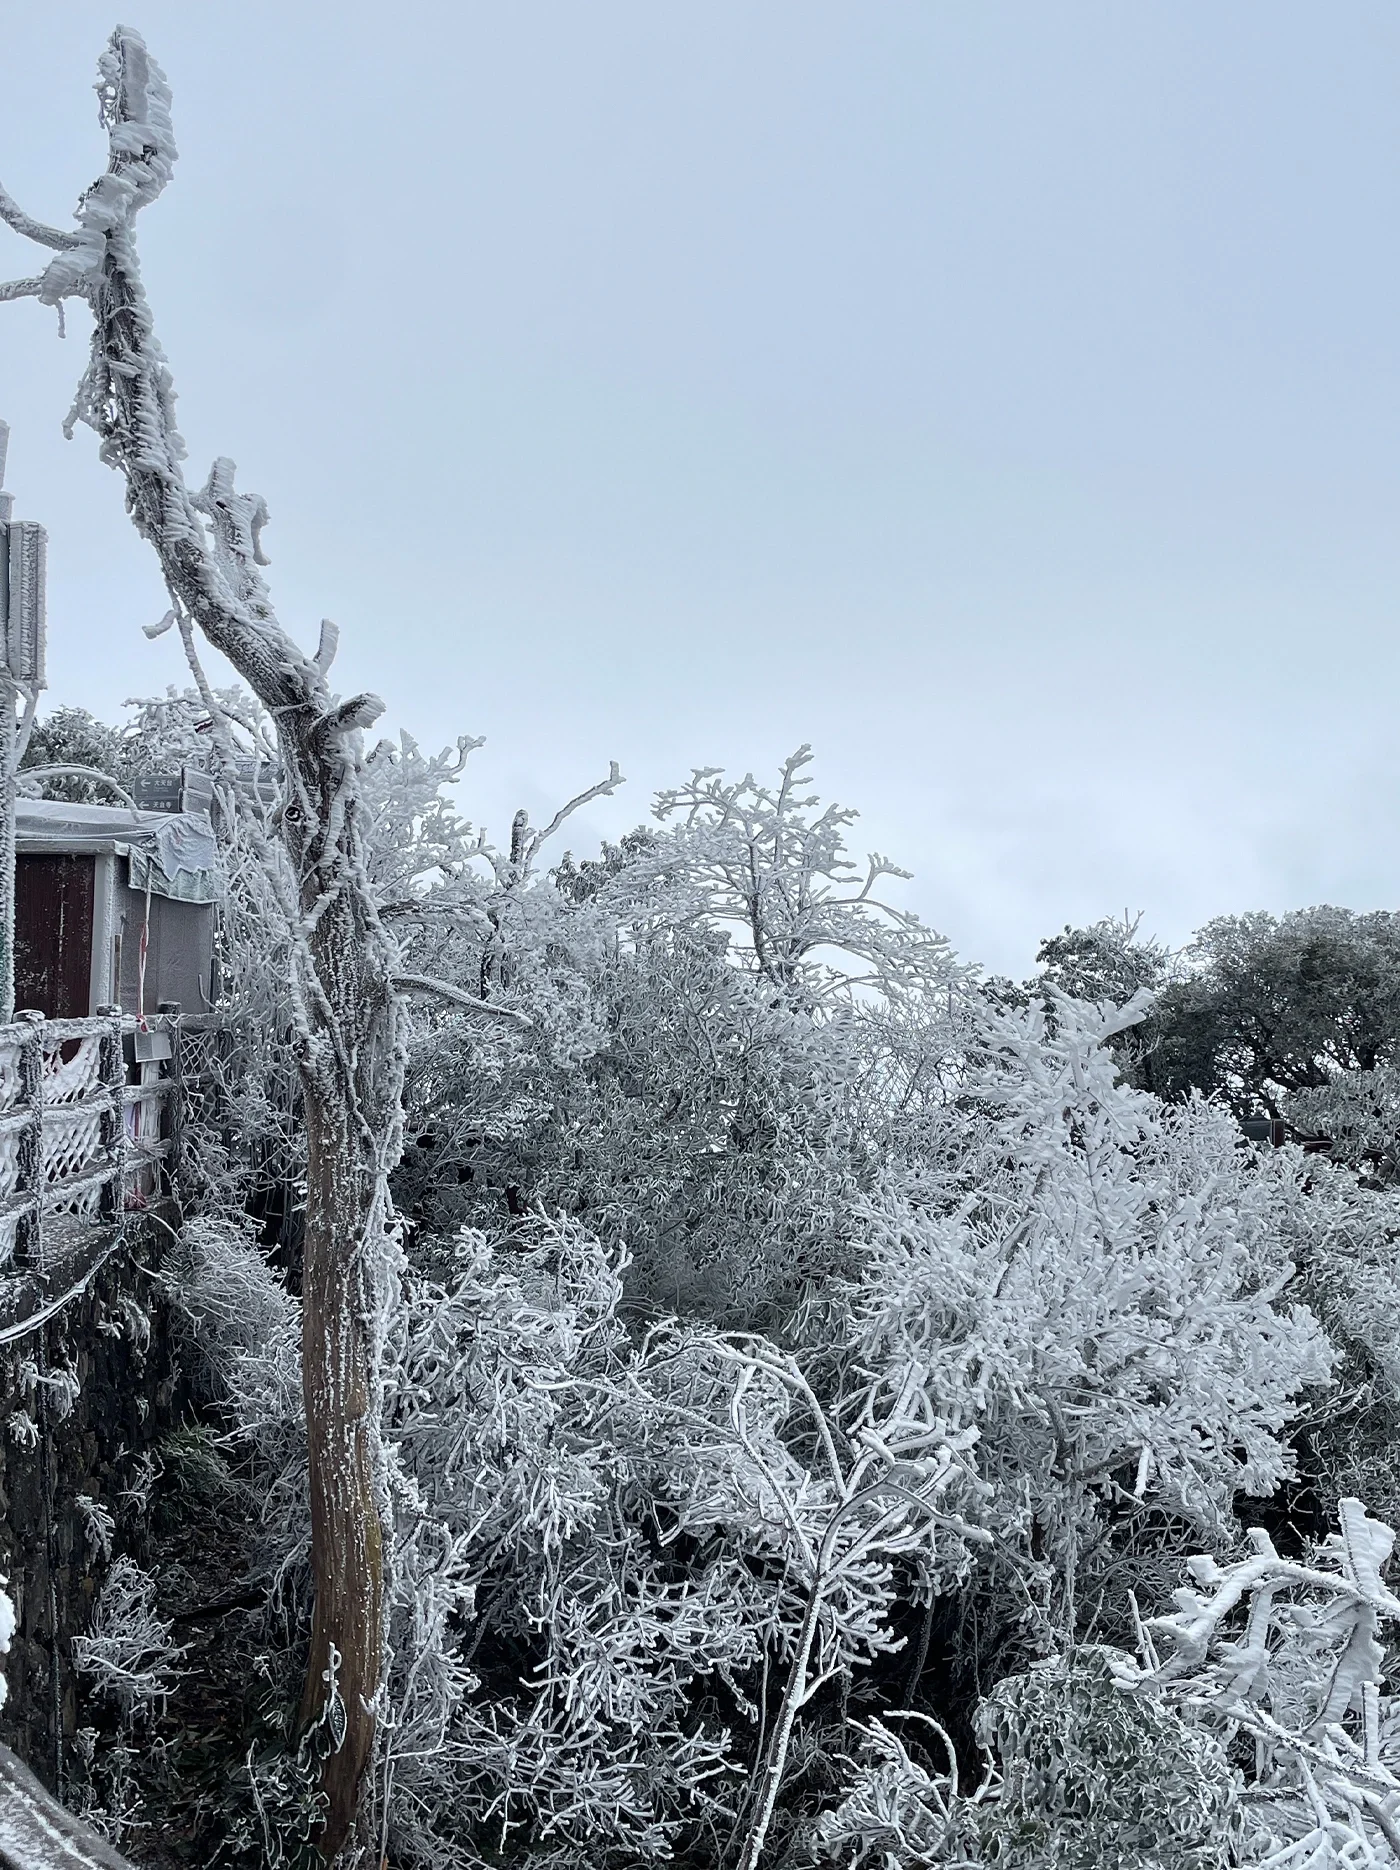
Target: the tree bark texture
pixel 341 1305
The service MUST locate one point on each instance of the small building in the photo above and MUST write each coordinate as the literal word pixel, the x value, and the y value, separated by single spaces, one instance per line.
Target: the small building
pixel 1276 1132
pixel 113 906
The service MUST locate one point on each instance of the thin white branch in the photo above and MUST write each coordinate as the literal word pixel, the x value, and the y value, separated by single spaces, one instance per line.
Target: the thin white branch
pixel 94 773
pixel 604 789
pixel 38 231
pixel 424 983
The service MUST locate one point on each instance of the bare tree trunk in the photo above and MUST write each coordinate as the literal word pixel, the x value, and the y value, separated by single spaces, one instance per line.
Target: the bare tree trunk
pixel 343 1307
pixel 347 1547
pixel 341 989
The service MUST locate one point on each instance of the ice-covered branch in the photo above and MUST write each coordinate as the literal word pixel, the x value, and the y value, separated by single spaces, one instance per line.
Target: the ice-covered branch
pixel 532 841
pixel 14 216
pixel 40 773
pixel 423 983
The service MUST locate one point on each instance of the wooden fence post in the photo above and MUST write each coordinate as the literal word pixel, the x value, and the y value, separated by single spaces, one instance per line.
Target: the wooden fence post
pixel 29 1177
pixel 175 1099
pixel 112 1069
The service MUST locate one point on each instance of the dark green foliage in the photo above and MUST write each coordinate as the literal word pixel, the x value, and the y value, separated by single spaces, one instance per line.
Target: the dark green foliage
pixel 73 737
pixel 1096 1777
pixel 1258 1009
pixel 1105 961
pixel 1275 1005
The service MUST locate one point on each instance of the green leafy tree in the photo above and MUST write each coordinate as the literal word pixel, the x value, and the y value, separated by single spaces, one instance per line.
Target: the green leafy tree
pixel 1107 961
pixel 73 737
pixel 1276 1006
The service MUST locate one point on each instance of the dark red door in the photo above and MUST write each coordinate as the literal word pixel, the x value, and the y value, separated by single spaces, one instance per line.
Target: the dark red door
pixel 53 935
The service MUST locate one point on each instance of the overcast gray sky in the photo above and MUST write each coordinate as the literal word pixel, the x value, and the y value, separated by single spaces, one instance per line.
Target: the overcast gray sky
pixel 1002 397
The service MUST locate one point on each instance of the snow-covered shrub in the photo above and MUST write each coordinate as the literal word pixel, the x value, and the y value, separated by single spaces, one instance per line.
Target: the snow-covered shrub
pixel 246 1330
pixel 1093 1774
pixel 826 1508
pixel 1342 1235
pixel 617 1563
pixel 1292 1656
pixel 108 1790
pixel 1096 1758
pixel 1082 1770
pixel 245 1326
pixel 128 1658
pixel 549 1645
pixel 739 1199
pixel 896 1814
pixel 1096 1283
pixel 1360 1112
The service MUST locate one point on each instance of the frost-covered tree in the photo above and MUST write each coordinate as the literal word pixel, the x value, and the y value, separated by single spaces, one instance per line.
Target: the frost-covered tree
pixel 1111 960
pixel 765 864
pixel 1097 1282
pixel 342 962
pixel 661 1084
pixel 73 738
pixel 1105 961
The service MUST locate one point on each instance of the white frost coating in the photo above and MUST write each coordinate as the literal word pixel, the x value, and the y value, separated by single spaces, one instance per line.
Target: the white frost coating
pixel 128 1657
pixel 769 865
pixel 1292 1655
pixel 7 1630
pixel 36 1833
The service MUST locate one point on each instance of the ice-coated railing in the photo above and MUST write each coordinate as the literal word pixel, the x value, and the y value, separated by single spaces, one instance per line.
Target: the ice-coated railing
pixel 89 1123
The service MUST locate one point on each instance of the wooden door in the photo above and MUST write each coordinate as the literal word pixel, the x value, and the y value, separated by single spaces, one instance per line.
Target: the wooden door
pixel 53 935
